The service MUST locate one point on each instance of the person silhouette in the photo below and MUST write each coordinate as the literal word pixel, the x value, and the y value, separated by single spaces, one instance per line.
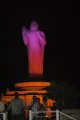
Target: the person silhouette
pixel 16 108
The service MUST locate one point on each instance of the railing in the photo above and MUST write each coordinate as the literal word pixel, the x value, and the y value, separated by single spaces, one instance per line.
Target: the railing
pixel 63 114
pixel 57 114
pixel 3 116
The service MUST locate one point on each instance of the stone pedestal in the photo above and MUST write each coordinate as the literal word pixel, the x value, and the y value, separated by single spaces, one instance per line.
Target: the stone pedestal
pixel 28 89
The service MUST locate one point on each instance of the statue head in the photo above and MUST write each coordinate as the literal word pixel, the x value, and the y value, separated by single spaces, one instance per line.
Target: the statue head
pixel 34 26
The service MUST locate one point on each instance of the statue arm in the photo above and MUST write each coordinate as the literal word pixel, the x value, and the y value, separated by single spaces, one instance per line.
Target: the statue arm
pixel 42 37
pixel 25 35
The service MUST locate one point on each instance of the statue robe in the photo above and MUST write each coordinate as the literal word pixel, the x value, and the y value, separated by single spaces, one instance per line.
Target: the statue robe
pixel 35 42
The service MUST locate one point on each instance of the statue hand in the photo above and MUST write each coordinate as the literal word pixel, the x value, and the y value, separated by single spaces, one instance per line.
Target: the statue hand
pixel 41 34
pixel 24 30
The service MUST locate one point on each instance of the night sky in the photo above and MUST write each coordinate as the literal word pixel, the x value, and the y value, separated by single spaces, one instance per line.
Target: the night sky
pixel 61 23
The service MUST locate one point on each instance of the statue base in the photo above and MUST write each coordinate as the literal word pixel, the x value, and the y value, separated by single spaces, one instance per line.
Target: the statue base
pixel 28 89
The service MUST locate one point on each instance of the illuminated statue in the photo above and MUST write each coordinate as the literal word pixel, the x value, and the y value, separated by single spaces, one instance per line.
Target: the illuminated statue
pixel 35 41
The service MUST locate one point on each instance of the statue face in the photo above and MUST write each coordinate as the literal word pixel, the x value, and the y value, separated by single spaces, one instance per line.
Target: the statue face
pixel 34 26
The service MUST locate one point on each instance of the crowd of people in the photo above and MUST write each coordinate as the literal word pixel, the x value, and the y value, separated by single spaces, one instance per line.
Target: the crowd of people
pixel 17 107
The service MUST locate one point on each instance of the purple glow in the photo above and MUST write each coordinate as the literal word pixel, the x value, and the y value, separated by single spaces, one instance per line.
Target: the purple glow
pixel 35 41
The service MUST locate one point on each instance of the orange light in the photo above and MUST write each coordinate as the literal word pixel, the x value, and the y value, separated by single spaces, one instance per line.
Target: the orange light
pixel 26 92
pixel 29 84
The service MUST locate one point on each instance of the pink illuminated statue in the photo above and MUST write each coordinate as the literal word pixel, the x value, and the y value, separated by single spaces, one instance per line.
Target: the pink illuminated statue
pixel 35 41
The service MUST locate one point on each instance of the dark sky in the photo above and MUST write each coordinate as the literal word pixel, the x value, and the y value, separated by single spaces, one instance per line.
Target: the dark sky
pixel 60 21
